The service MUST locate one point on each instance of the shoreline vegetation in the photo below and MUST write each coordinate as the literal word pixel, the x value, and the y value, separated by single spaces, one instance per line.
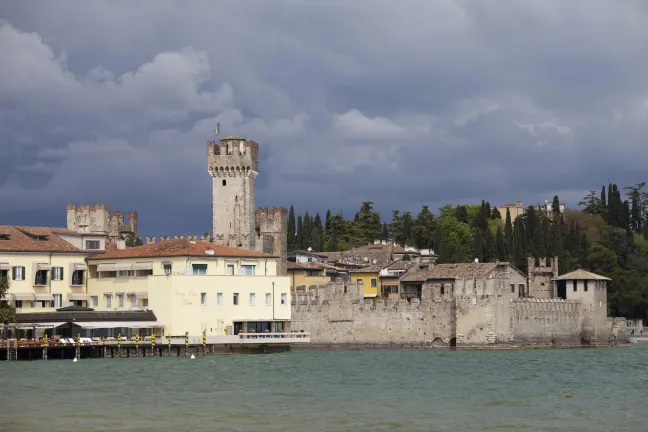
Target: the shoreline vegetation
pixel 608 235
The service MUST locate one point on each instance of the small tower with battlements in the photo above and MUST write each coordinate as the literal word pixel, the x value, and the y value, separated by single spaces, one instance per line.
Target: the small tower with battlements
pixel 233 164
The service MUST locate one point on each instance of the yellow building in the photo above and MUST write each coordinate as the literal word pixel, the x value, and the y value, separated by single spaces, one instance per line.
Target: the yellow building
pixel 367 278
pixel 515 210
pixel 46 267
pixel 194 287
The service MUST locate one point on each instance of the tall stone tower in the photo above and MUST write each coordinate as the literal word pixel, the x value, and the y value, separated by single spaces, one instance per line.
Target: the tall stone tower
pixel 233 164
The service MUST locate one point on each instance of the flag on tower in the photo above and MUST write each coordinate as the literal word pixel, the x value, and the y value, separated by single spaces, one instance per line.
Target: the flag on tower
pixel 217 130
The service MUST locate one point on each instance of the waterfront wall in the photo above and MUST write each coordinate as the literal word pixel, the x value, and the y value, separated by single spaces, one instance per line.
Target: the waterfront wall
pixel 339 315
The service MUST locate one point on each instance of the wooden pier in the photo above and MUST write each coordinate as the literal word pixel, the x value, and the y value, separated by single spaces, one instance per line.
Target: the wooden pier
pixel 244 343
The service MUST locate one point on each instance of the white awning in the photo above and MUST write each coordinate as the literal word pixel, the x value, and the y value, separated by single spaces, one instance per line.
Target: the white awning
pixel 23 296
pixel 5 266
pixel 106 267
pixel 119 324
pixel 130 293
pixel 43 266
pixel 142 295
pixel 40 325
pixel 44 297
pixel 78 296
pixel 119 267
pixel 7 297
pixel 370 295
pixel 79 266
pixel 143 266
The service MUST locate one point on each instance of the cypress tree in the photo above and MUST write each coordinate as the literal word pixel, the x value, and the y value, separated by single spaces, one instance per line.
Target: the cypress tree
pixel 317 236
pixel 291 230
pixel 508 236
pixel 299 240
pixel 385 232
pixel 500 247
pixel 478 245
pixel 307 231
pixel 495 214
pixel 490 253
pixel 327 223
pixel 603 198
pixel 519 245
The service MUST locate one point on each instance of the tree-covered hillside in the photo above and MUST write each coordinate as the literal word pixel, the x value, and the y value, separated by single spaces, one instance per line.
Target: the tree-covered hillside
pixel 609 236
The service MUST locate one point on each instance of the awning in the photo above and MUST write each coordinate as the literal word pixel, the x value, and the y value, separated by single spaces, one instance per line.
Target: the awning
pixel 44 297
pixel 128 294
pixel 142 295
pixel 78 296
pixel 23 296
pixel 118 324
pixel 7 297
pixel 5 266
pixel 121 267
pixel 39 325
pixel 143 266
pixel 79 266
pixel 43 266
pixel 106 267
pixel 370 295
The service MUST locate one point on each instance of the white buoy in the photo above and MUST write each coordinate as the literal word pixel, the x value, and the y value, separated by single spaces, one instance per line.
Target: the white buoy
pixel 193 356
pixel 75 359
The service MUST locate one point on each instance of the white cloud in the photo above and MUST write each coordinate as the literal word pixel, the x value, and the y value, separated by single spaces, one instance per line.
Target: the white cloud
pixel 355 125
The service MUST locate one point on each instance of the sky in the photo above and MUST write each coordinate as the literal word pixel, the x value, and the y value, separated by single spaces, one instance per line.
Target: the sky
pixel 403 103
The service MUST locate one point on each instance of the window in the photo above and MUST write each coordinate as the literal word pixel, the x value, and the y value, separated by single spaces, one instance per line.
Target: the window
pixel 575 286
pixel 203 298
pixel 235 299
pixel 219 299
pixel 224 183
pixel 133 300
pixel 374 283
pixel 126 273
pixel 18 304
pixel 313 273
pixel 120 300
pixel 252 299
pixel 145 303
pixel 521 290
pixel 94 301
pixel 268 299
pixel 78 276
pixel 442 289
pixel 93 244
pixel 57 273
pixel 199 269
pixel 248 270
pixel 58 300
pixel 229 270
pixel 108 300
pixel 41 277
pixel 167 269
pixel 310 259
pixel 513 288
pixel 284 298
pixel 585 285
pixel 18 273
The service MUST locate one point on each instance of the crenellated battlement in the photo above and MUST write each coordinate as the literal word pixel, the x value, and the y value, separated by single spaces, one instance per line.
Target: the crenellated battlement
pixel 231 153
pixel 273 220
pixel 153 239
pixel 98 219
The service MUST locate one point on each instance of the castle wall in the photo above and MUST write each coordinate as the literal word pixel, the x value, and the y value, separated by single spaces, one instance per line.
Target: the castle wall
pixel 547 321
pixel 98 219
pixel 271 230
pixel 333 317
pixel 540 275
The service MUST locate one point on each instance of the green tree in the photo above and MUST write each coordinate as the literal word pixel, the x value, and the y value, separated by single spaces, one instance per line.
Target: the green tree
pixel 369 222
pixel 7 311
pixel 500 246
pixel 495 214
pixel 317 235
pixel 423 230
pixel 292 228
pixel 478 245
pixel 132 240
pixel 508 236
pixel 299 237
pixel 307 230
pixel 385 232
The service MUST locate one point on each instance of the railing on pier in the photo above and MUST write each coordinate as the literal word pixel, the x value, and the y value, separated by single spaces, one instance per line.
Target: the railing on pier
pixel 274 337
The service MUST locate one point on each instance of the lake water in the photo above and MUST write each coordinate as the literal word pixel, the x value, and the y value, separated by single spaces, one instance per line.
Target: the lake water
pixel 574 390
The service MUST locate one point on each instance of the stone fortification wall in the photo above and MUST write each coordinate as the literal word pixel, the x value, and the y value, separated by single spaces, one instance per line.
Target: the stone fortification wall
pixel 546 322
pixel 337 314
pixel 271 226
pixel 618 331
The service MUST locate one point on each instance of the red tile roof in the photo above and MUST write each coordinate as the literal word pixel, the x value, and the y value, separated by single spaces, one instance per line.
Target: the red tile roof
pixel 180 247
pixel 23 239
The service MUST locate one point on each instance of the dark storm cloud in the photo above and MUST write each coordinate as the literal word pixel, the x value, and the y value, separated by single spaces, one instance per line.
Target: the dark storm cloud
pixel 401 103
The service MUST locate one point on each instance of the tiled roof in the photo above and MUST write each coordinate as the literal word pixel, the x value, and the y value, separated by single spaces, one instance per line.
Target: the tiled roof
pixel 310 266
pixel 454 271
pixel 308 253
pixel 369 269
pixel 180 247
pixel 399 265
pixel 581 274
pixel 21 239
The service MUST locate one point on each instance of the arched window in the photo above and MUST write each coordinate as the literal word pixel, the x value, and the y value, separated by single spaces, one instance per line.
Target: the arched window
pixel 224 182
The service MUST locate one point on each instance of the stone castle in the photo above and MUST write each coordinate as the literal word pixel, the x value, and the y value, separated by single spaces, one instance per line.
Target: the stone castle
pixel 97 219
pixel 233 164
pixel 476 305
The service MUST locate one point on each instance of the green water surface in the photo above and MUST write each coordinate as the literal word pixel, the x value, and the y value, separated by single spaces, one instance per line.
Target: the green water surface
pixel 589 390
